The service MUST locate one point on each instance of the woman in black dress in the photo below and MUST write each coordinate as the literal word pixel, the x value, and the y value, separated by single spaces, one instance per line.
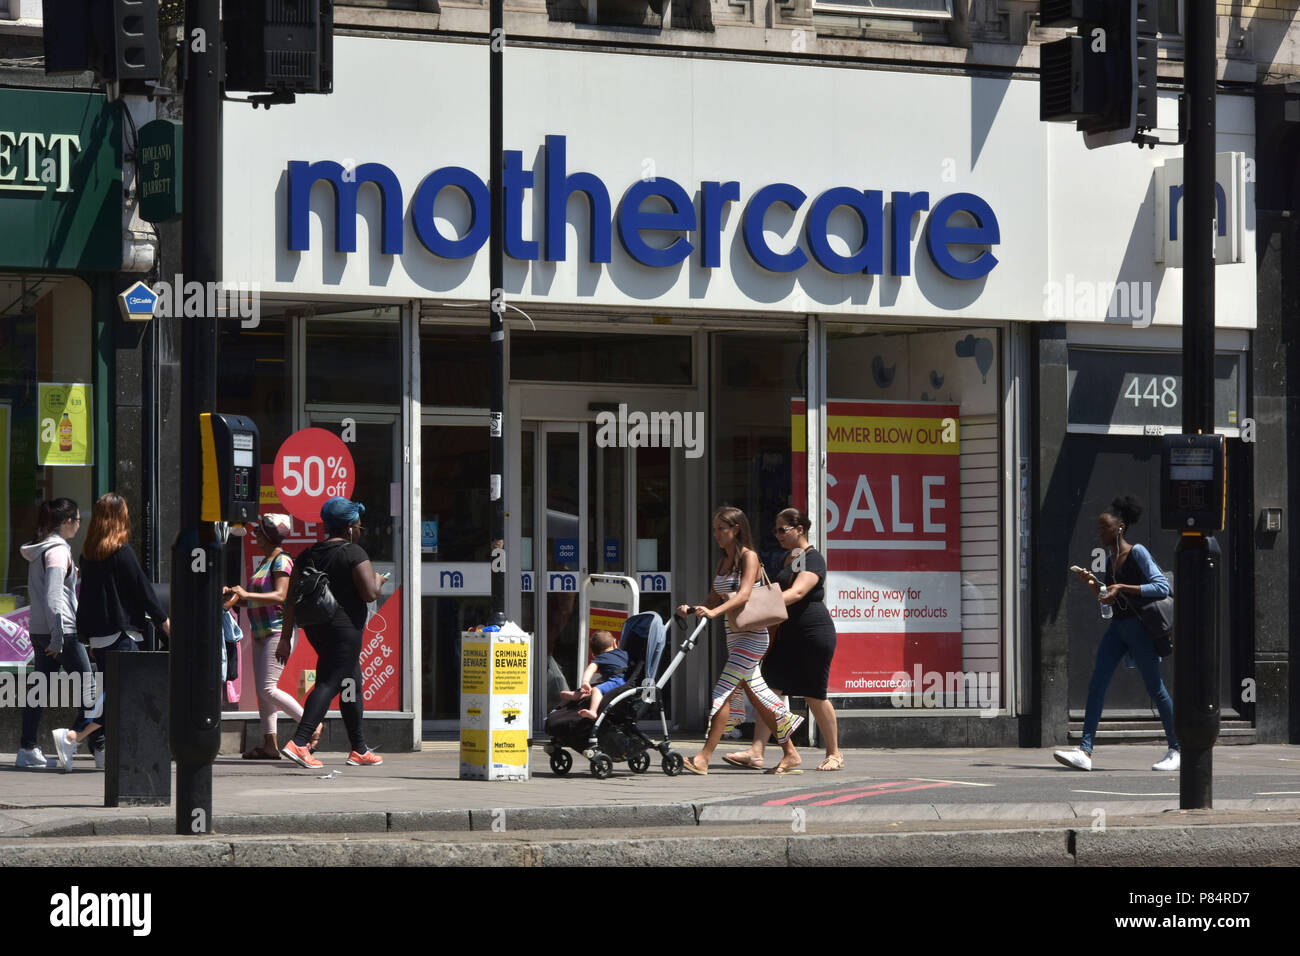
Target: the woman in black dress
pixel 800 659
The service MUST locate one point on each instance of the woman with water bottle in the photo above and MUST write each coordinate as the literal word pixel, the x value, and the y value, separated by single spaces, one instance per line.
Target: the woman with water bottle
pixel 1131 574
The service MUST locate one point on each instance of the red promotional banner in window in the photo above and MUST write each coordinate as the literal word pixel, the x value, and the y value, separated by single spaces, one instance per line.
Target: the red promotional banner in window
pixel 381 642
pixel 892 539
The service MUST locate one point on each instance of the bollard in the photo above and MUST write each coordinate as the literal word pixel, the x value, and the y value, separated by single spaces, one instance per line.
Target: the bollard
pixel 137 762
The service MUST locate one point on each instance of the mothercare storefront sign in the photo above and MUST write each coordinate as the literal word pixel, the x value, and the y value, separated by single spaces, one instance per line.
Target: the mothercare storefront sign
pixel 753 187
pixel 60 181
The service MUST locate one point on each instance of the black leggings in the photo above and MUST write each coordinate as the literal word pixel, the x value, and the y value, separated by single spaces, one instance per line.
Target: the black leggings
pixel 338 653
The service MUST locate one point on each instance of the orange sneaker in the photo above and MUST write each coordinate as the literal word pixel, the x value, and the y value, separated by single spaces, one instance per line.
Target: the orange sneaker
pixel 301 756
pixel 367 759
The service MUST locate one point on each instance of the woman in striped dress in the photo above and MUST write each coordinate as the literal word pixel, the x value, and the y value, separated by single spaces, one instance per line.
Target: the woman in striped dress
pixel 732 583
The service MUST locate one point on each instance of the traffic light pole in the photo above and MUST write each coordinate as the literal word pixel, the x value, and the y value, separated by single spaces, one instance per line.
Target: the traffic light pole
pixel 497 308
pixel 195 708
pixel 1196 562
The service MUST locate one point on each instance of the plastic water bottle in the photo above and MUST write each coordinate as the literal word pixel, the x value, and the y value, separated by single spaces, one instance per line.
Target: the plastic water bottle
pixel 1106 609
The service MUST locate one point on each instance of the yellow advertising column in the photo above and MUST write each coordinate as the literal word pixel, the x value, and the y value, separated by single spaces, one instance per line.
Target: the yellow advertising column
pixel 494 715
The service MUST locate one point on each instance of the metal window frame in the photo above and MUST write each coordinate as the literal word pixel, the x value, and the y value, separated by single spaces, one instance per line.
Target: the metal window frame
pixel 899 12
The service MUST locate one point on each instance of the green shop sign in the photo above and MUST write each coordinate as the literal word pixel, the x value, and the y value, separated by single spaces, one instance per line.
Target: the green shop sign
pixel 160 171
pixel 60 181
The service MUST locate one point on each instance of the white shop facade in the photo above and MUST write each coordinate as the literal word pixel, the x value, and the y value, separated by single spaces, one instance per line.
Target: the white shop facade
pixel 820 285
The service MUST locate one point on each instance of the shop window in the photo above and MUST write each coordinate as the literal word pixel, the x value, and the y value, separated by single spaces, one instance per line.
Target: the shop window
pixel 895 21
pixel 646 14
pixel 455 367
pixel 353 361
pixel 600 359
pixel 254 379
pixel 47 420
pixel 920 9
pixel 914 502
pixel 757 377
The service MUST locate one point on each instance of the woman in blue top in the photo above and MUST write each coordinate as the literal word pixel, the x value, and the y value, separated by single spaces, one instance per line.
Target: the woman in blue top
pixel 1132 576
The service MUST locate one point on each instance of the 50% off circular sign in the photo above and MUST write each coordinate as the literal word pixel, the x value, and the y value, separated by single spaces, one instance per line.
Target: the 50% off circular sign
pixel 311 467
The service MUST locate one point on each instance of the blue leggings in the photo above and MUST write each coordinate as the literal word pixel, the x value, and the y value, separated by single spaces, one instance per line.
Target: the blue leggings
pixel 1126 635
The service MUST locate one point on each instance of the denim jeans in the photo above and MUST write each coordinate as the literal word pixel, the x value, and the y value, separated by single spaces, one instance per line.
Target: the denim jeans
pixel 73 660
pixel 100 656
pixel 1126 635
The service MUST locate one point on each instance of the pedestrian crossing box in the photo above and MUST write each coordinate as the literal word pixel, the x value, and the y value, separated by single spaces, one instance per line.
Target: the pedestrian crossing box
pixel 495 671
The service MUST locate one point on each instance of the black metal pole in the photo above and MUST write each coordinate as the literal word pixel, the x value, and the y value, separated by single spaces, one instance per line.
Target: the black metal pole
pixel 1196 665
pixel 195 709
pixel 497 308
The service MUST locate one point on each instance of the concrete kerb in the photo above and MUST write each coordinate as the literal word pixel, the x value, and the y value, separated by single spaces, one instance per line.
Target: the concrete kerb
pixel 627 816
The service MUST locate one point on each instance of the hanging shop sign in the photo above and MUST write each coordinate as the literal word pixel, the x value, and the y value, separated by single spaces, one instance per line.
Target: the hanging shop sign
pixel 60 181
pixel 892 540
pixel 160 171
pixel 64 436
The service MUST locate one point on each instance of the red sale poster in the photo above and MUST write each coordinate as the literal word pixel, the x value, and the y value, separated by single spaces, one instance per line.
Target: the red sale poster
pixel 381 643
pixel 892 540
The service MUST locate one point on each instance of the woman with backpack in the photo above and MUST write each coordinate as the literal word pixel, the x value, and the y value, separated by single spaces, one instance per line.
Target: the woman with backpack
pixel 1132 575
pixel 52 589
pixel 116 599
pixel 353 583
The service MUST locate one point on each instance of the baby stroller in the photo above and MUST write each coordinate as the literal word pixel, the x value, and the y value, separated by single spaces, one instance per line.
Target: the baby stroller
pixel 614 734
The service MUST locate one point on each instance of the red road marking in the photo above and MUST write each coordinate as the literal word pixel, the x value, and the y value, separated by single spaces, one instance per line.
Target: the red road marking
pixel 876 793
pixel 858 791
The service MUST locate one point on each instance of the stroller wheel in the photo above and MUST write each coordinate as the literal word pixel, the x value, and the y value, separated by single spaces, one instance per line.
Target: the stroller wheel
pixel 561 761
pixel 672 763
pixel 639 763
pixel 601 766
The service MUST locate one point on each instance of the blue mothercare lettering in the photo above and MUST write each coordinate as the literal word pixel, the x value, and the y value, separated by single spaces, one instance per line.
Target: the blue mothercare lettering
pixel 659 223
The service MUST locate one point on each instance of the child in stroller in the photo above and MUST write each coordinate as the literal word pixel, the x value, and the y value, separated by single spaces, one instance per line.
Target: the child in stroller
pixel 603 674
pixel 612 734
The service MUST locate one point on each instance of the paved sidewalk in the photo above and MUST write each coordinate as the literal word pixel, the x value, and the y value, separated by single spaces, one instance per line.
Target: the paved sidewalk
pixel 915 790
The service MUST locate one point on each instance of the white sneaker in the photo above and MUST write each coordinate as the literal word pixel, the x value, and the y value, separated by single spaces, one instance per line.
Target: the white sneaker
pixel 1172 761
pixel 99 758
pixel 64 748
pixel 32 759
pixel 1078 759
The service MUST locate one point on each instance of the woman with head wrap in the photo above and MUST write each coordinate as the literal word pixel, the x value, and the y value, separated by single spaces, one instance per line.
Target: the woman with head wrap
pixel 354 584
pixel 265 597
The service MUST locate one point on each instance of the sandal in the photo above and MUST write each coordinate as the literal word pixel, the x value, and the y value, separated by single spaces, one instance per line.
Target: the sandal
pixel 742 758
pixel 782 770
pixel 315 739
pixel 832 762
pixel 257 753
pixel 689 767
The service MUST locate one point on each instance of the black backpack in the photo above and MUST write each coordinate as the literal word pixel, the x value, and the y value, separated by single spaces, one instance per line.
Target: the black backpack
pixel 314 603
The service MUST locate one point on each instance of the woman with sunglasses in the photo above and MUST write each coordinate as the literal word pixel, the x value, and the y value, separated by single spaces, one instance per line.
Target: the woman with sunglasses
pixel 799 662
pixel 267 592
pixel 733 582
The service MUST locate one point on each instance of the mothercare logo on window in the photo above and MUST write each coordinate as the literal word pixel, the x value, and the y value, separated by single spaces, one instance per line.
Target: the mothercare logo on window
pixel 624 429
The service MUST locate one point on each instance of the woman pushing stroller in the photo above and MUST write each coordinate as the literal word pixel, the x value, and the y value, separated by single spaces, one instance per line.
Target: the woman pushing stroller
pixel 733 581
